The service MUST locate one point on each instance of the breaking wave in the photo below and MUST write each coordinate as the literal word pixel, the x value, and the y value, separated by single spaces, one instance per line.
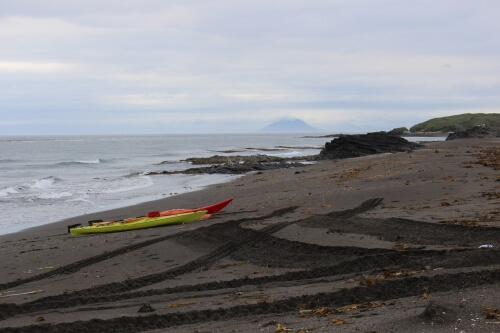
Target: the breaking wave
pixel 5 192
pixel 128 183
pixel 43 183
pixel 79 163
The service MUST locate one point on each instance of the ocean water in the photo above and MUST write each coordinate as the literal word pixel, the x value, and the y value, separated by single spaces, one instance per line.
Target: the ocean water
pixel 44 179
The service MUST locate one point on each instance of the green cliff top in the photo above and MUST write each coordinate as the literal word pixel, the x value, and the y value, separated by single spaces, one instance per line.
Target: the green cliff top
pixel 457 123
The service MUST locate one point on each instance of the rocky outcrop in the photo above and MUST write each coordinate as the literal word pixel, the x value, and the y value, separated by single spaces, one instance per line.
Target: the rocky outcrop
pixel 480 131
pixel 238 164
pixel 233 168
pixel 235 159
pixel 346 146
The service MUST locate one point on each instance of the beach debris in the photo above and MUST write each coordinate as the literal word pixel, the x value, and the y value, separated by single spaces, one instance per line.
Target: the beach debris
pixel 485 246
pixel 491 312
pixel 178 305
pixel 282 328
pixel 40 318
pixel 426 295
pixel 403 246
pixel 368 280
pixel 326 311
pixel 491 194
pixel 471 223
pixel 19 294
pixel 338 321
pixel 489 157
pixel 320 312
pixel 146 308
pixel 46 267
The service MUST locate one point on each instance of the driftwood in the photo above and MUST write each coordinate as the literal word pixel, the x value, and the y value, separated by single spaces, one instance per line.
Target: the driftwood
pixel 2 295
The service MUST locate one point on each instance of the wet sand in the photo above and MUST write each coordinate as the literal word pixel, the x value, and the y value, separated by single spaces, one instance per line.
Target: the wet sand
pixel 384 243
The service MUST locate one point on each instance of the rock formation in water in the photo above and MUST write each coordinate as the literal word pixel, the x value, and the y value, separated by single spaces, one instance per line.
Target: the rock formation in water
pixel 346 146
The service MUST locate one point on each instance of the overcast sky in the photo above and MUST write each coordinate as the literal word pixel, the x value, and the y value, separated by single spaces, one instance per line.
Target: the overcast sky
pixel 156 66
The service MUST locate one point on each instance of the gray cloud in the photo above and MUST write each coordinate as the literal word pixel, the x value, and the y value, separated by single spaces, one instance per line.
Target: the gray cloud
pixel 225 66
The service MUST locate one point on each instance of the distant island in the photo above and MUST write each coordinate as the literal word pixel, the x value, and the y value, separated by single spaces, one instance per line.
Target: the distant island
pixel 289 126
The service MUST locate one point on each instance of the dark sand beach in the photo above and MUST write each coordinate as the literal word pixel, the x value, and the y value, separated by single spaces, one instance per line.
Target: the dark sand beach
pixel 381 243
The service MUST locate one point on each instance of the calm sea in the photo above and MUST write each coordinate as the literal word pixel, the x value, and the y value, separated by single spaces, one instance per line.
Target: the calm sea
pixel 48 178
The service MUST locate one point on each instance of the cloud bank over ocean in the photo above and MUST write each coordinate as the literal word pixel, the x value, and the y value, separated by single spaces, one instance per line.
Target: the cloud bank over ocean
pixel 155 66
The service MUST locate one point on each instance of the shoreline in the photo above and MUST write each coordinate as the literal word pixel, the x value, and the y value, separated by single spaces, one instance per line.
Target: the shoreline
pixel 249 163
pixel 101 173
pixel 127 211
pixel 212 165
pixel 397 232
pixel 120 206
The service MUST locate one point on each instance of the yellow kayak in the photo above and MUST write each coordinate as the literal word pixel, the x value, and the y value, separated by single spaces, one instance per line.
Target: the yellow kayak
pixel 146 222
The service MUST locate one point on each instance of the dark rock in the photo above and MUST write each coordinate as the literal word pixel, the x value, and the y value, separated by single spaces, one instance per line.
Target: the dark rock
pixel 399 131
pixel 480 131
pixel 146 308
pixel 438 314
pixel 344 146
pixel 235 159
pixel 233 168
pixel 347 146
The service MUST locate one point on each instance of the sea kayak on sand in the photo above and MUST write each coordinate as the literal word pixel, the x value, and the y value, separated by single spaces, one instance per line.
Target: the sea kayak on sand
pixel 143 223
pixel 211 209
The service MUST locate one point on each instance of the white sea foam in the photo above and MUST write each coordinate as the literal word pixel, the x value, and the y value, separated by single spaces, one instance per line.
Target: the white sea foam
pixel 97 161
pixel 6 191
pixel 54 195
pixel 80 199
pixel 125 184
pixel 77 163
pixel 290 153
pixel 42 183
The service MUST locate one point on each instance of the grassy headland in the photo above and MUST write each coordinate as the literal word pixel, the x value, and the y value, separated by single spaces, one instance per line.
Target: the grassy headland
pixel 457 123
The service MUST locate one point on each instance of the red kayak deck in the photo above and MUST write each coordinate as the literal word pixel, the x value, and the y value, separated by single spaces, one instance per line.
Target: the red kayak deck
pixel 211 209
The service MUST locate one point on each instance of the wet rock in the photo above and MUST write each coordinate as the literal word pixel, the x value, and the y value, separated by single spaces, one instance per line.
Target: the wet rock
pixel 347 146
pixel 343 147
pixel 238 164
pixel 237 159
pixel 233 169
pixel 480 131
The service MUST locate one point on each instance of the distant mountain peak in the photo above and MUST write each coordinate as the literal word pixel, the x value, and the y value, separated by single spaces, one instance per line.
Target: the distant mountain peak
pixel 289 125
